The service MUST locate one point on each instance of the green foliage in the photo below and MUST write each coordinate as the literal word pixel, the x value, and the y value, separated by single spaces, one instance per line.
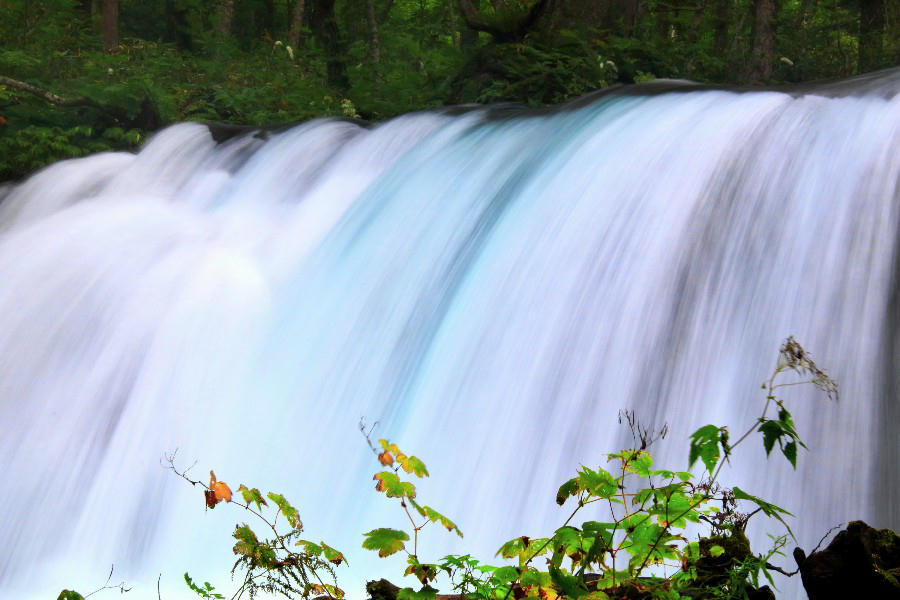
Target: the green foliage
pixel 639 549
pixel 173 64
pixel 269 564
pixel 705 446
pixel 385 541
pixel 207 591
pixel 30 148
pixel 645 528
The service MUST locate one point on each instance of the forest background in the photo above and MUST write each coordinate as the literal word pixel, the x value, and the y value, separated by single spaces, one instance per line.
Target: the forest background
pixel 81 76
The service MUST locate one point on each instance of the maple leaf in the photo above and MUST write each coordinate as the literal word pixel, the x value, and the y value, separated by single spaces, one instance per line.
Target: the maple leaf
pixel 222 491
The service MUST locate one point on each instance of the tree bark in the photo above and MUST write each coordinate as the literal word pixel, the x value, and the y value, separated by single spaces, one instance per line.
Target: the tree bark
pixel 110 25
pixel 296 23
pixel 871 35
pixel 762 60
pixel 631 10
pixel 723 17
pixel 324 27
pixel 374 50
pixel 224 18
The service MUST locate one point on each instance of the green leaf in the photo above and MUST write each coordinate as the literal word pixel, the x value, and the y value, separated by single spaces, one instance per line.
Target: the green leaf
pixel 252 496
pixel 604 530
pixel 568 540
pixel 569 585
pixel 771 431
pixel 705 446
pixel 310 548
pixel 504 575
pixel 513 548
pixel 597 483
pixel 287 510
pixel 769 509
pixel 664 473
pixel 333 556
pixel 435 516
pixel 69 595
pixel 569 488
pixel 205 592
pixel 390 484
pixel 640 464
pixel 716 550
pixel 421 571
pixel 385 541
pixel 790 453
pixel 692 551
pixel 413 465
pixel 426 593
pixel 533 577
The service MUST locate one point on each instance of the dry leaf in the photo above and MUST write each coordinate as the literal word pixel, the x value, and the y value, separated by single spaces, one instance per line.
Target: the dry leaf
pixel 222 491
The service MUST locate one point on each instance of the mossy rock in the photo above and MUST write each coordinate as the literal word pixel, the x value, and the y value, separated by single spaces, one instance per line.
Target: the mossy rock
pixel 859 562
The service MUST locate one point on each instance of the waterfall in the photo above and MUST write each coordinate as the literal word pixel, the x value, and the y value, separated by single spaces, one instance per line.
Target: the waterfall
pixel 490 285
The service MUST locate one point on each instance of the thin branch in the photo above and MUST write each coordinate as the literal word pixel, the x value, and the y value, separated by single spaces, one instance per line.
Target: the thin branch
pixel 50 96
pixel 119 586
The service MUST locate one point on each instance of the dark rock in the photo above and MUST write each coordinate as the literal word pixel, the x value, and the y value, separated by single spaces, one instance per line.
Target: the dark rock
pixel 861 562
pixel 382 590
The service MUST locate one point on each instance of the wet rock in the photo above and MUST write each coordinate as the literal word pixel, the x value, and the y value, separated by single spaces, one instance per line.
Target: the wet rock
pixel 860 562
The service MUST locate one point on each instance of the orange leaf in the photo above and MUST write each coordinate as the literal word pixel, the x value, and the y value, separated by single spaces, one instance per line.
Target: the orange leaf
pixel 386 459
pixel 211 499
pixel 222 491
pixel 212 479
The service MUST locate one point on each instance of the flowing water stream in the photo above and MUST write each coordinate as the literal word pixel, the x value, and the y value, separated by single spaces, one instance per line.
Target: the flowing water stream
pixel 491 286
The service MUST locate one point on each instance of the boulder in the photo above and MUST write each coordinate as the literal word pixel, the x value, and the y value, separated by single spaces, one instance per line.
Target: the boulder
pixel 860 562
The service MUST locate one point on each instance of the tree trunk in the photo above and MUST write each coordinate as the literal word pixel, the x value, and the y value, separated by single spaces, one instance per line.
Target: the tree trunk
pixel 871 35
pixel 324 27
pixel 374 51
pixel 451 23
pixel 468 37
pixel 296 23
pixel 723 16
pixel 631 10
pixel 762 60
pixel 224 18
pixel 110 25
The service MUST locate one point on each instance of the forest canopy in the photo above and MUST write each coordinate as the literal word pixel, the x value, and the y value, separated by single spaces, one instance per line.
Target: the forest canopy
pixel 78 76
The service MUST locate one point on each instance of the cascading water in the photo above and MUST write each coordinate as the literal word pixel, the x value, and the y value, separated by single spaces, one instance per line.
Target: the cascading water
pixel 491 287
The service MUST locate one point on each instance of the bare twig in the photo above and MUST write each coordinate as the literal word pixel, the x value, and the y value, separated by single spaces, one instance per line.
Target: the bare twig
pixel 118 586
pixel 368 434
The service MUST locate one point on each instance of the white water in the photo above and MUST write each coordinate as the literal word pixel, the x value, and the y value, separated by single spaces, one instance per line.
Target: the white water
pixel 492 288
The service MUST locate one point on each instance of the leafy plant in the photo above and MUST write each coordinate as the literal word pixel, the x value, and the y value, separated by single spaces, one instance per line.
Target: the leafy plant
pixel 639 549
pixel 642 545
pixel 271 564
